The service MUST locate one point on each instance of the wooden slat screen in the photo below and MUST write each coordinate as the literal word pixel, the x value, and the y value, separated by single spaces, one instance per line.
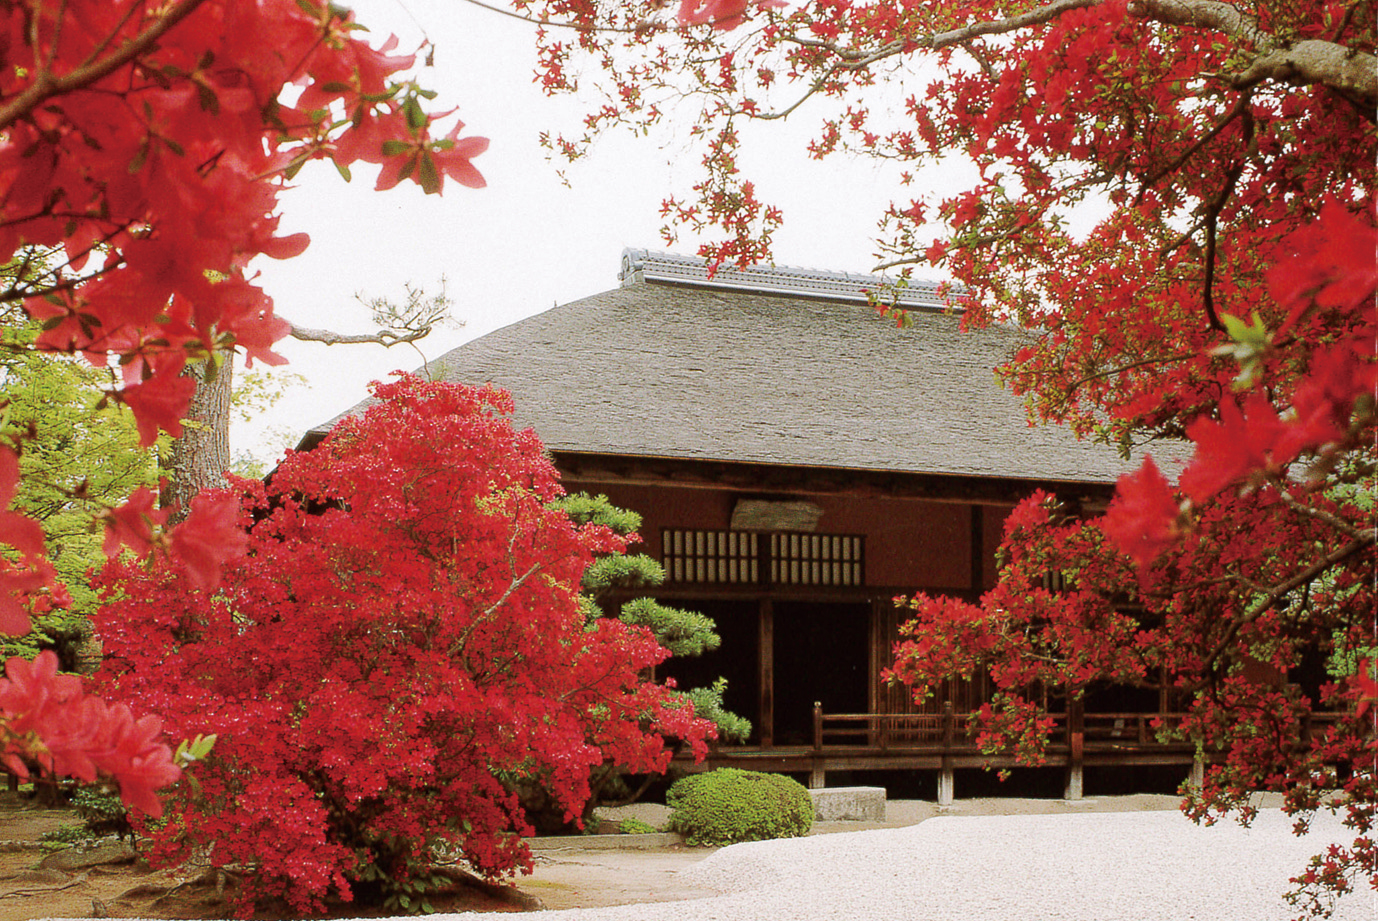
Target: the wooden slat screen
pixel 710 556
pixel 785 558
pixel 815 559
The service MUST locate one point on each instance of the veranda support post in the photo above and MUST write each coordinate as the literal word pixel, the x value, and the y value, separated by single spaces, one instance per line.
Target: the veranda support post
pixel 1076 744
pixel 946 778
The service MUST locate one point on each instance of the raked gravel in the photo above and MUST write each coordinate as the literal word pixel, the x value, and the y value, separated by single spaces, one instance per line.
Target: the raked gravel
pixel 1122 866
pixel 1139 866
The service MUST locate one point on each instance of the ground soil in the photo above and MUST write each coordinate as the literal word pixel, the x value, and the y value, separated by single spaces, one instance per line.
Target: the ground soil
pixel 109 880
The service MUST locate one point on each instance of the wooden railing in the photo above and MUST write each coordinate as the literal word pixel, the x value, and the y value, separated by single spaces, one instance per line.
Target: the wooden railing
pixel 887 730
pixel 949 730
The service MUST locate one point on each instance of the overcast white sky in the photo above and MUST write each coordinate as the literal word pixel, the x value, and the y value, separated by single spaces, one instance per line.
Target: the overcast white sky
pixel 526 242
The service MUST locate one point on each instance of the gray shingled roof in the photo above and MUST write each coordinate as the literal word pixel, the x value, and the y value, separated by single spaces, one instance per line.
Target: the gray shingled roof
pixel 674 370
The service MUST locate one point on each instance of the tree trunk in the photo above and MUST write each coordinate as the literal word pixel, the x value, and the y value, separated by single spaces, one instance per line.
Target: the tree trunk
pixel 202 455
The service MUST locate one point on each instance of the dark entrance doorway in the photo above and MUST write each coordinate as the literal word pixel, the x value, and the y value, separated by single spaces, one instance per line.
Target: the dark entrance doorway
pixel 737 659
pixel 821 654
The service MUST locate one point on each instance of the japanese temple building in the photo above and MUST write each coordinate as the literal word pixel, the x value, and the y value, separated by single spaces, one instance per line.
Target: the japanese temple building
pixel 799 461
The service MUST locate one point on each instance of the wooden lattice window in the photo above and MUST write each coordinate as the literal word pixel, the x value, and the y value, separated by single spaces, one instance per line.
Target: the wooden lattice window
pixel 786 558
pixel 816 559
pixel 711 556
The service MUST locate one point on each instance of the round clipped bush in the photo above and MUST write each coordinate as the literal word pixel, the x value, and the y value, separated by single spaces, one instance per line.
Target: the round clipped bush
pixel 729 805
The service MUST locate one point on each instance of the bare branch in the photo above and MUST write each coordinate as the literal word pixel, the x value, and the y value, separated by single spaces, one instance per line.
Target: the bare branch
pixel 857 58
pixel 645 26
pixel 814 88
pixel 1320 514
pixel 1113 372
pixel 1350 72
pixel 1201 14
pixel 1305 577
pixel 1353 74
pixel 45 85
pixel 384 337
pixel 1211 217
pixel 1001 26
pixel 1235 111
pixel 907 260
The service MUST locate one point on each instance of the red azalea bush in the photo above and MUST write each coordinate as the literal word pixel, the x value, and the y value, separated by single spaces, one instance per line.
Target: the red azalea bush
pixel 1246 591
pixel 143 145
pixel 1174 200
pixel 400 645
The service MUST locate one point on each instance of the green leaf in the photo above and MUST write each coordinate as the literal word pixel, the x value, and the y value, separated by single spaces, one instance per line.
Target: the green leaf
pixel 427 175
pixel 416 116
pixel 209 101
pixel 1254 333
pixel 140 158
pixel 342 170
pixel 393 148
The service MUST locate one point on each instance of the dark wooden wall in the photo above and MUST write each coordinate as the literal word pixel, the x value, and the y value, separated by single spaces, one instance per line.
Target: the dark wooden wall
pixel 912 545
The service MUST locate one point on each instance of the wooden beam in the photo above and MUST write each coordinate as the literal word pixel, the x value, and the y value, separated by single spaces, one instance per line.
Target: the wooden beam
pixel 767 662
pixel 578 468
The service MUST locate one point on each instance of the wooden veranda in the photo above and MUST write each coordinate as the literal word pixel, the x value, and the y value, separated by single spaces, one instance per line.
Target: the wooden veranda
pixel 943 743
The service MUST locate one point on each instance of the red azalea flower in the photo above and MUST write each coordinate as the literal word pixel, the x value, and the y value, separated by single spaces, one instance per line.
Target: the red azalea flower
pixel 208 538
pixel 131 525
pixel 1143 517
pixel 159 403
pixel 1239 444
pixel 19 531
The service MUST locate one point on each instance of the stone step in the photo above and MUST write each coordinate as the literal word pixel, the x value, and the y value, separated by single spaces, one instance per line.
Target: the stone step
pixel 848 804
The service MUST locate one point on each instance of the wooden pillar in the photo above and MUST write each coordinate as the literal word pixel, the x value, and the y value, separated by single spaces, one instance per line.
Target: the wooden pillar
pixel 766 712
pixel 1076 743
pixel 946 774
pixel 817 776
pixel 875 664
pixel 978 549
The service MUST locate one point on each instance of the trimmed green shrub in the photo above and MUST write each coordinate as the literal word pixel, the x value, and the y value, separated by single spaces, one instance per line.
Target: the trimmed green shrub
pixel 635 827
pixel 729 805
pixel 65 836
pixel 103 812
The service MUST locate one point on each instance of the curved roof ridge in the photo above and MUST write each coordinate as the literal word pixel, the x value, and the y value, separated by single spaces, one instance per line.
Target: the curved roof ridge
pixel 642 265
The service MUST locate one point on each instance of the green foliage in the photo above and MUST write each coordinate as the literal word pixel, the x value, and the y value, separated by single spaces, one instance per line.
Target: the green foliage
pixel 84 456
pixel 729 805
pixel 65 836
pixel 101 814
pixel 684 633
pixel 101 811
pixel 708 705
pixel 256 391
pixel 635 827
pixel 586 509
pixel 623 570
pixel 410 894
